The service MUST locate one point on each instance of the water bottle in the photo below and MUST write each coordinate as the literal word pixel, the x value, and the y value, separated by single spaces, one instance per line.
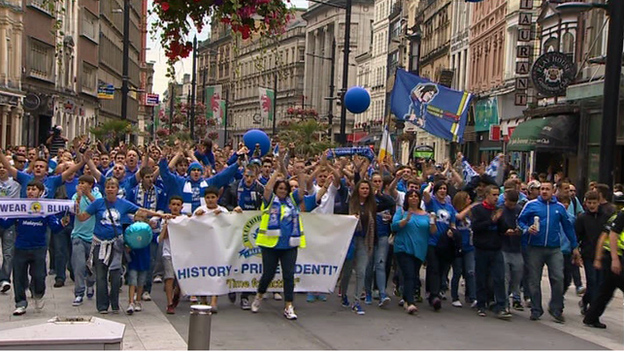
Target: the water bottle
pixel 432 218
pixel 536 223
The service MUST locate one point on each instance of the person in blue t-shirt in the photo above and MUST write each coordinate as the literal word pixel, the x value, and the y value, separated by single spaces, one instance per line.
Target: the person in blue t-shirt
pixel 138 269
pixel 445 213
pixel 107 247
pixel 30 252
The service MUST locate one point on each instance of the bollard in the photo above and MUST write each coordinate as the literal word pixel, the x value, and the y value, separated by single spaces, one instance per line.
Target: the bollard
pixel 199 327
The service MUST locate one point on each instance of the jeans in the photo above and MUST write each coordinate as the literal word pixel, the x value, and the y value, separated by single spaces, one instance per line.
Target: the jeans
pixel 8 241
pixel 553 258
pixel 435 267
pixel 514 270
pixel 361 261
pixel 410 266
pixel 104 299
pixel 526 289
pixel 62 252
pixel 465 266
pixel 593 279
pixel 287 259
pixel 490 263
pixel 80 255
pixel 156 266
pixel 27 262
pixel 571 273
pixel 605 291
pixel 378 266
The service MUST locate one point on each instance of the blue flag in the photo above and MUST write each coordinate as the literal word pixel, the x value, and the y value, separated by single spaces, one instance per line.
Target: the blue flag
pixel 440 111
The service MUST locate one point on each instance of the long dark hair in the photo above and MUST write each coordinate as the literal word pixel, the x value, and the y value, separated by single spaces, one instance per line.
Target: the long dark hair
pixel 277 184
pixel 407 196
pixel 370 205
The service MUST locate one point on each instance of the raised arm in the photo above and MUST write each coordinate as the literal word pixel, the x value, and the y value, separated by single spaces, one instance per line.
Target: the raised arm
pixel 73 169
pixel 268 188
pixel 94 170
pixel 5 162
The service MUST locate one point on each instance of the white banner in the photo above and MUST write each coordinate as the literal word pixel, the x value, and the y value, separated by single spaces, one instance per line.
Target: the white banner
pixel 215 255
pixel 25 208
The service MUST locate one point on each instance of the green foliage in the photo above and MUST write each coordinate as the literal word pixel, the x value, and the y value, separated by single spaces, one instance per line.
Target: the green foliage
pixel 309 136
pixel 112 132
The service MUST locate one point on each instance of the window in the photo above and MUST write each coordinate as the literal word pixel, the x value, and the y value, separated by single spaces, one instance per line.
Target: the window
pixel 90 25
pixel 41 5
pixel 41 60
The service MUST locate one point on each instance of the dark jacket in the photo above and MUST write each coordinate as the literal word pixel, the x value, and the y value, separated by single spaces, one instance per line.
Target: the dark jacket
pixel 485 231
pixel 230 196
pixel 509 220
pixel 588 227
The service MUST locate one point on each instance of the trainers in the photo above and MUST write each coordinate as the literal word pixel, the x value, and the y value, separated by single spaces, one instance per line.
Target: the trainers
pixel 345 302
pixel 5 286
pixel 456 303
pixel 277 297
pixel 59 283
pixel 411 309
pixel 19 311
pixel 401 303
pixel 473 304
pixel 311 298
pixel 255 305
pixel 517 305
pixel 481 312
pixel 244 304
pixel 357 308
pixel 368 299
pixel 232 297
pixel 503 315
pixel 146 296
pixel 130 309
pixel 557 317
pixel 77 301
pixel 580 291
pixel 138 307
pixel 157 280
pixel 90 292
pixel 170 309
pixel 436 303
pixel 39 303
pixel 321 297
pixel 383 300
pixel 103 312
pixel 289 313
pixel 443 295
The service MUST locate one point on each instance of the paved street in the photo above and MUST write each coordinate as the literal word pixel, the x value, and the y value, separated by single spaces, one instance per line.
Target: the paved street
pixel 329 326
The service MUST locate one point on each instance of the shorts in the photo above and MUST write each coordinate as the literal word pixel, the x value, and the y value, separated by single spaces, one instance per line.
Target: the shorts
pixel 137 278
pixel 168 265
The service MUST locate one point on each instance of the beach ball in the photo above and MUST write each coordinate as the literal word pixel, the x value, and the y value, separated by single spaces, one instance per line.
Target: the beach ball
pixel 357 100
pixel 256 136
pixel 138 235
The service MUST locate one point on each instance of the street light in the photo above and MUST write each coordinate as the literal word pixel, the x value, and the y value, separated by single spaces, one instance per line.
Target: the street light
pixel 613 71
pixel 125 79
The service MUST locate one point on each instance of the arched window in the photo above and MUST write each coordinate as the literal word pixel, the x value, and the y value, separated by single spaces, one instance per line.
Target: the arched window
pixel 550 45
pixel 567 42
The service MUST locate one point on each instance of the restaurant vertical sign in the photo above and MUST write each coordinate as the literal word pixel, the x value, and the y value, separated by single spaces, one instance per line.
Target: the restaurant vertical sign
pixel 524 52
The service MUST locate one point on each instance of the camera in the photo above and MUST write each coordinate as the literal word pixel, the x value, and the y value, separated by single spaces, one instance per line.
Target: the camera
pixel 56 130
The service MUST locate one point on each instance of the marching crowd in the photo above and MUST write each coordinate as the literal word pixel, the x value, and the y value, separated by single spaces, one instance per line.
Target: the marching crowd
pixel 491 229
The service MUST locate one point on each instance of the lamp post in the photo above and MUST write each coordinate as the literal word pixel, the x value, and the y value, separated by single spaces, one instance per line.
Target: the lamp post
pixel 613 70
pixel 125 88
pixel 193 89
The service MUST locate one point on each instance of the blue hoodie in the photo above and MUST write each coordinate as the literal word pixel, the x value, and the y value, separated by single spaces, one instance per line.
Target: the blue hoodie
pixel 31 232
pixel 553 218
pixel 192 192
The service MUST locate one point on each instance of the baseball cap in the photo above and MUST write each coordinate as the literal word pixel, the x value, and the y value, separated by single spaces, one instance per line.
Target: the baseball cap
pixel 534 184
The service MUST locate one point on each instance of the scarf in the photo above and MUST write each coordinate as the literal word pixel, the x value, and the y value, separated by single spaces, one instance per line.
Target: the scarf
pixel 369 232
pixel 488 206
pixel 146 198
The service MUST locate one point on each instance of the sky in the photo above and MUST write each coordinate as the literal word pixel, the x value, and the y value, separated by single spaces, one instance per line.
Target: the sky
pixel 156 53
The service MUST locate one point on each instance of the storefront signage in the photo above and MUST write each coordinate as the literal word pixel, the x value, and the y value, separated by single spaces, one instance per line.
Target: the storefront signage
pixel 69 106
pixel 486 114
pixel 495 132
pixel 32 102
pixel 524 52
pixel 106 91
pixel 552 73
pixel 152 99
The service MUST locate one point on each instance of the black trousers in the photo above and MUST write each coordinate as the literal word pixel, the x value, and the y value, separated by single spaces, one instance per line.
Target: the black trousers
pixel 610 282
pixel 287 259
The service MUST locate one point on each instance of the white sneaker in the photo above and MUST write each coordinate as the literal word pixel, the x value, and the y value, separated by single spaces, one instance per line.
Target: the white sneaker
pixel 146 296
pixel 138 307
pixel 456 303
pixel 473 304
pixel 255 305
pixel 39 303
pixel 5 286
pixel 77 301
pixel 130 309
pixel 19 311
pixel 277 297
pixel 157 279
pixel 289 313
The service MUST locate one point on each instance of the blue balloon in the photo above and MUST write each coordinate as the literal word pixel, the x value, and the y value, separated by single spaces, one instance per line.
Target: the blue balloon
pixel 256 136
pixel 357 100
pixel 138 235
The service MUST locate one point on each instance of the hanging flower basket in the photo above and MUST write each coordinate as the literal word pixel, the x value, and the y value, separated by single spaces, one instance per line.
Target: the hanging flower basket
pixel 213 135
pixel 162 132
pixel 211 122
pixel 174 19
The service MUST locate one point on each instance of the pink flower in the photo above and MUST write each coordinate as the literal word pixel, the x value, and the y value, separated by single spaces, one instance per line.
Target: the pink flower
pixel 165 6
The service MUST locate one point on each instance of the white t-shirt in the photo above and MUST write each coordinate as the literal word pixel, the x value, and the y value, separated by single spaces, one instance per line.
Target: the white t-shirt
pixel 327 201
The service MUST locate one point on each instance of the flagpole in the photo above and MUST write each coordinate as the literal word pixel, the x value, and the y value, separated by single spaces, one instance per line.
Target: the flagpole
pixel 274 102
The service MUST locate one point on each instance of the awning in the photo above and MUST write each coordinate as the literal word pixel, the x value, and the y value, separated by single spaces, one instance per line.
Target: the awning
pixel 555 134
pixel 356 136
